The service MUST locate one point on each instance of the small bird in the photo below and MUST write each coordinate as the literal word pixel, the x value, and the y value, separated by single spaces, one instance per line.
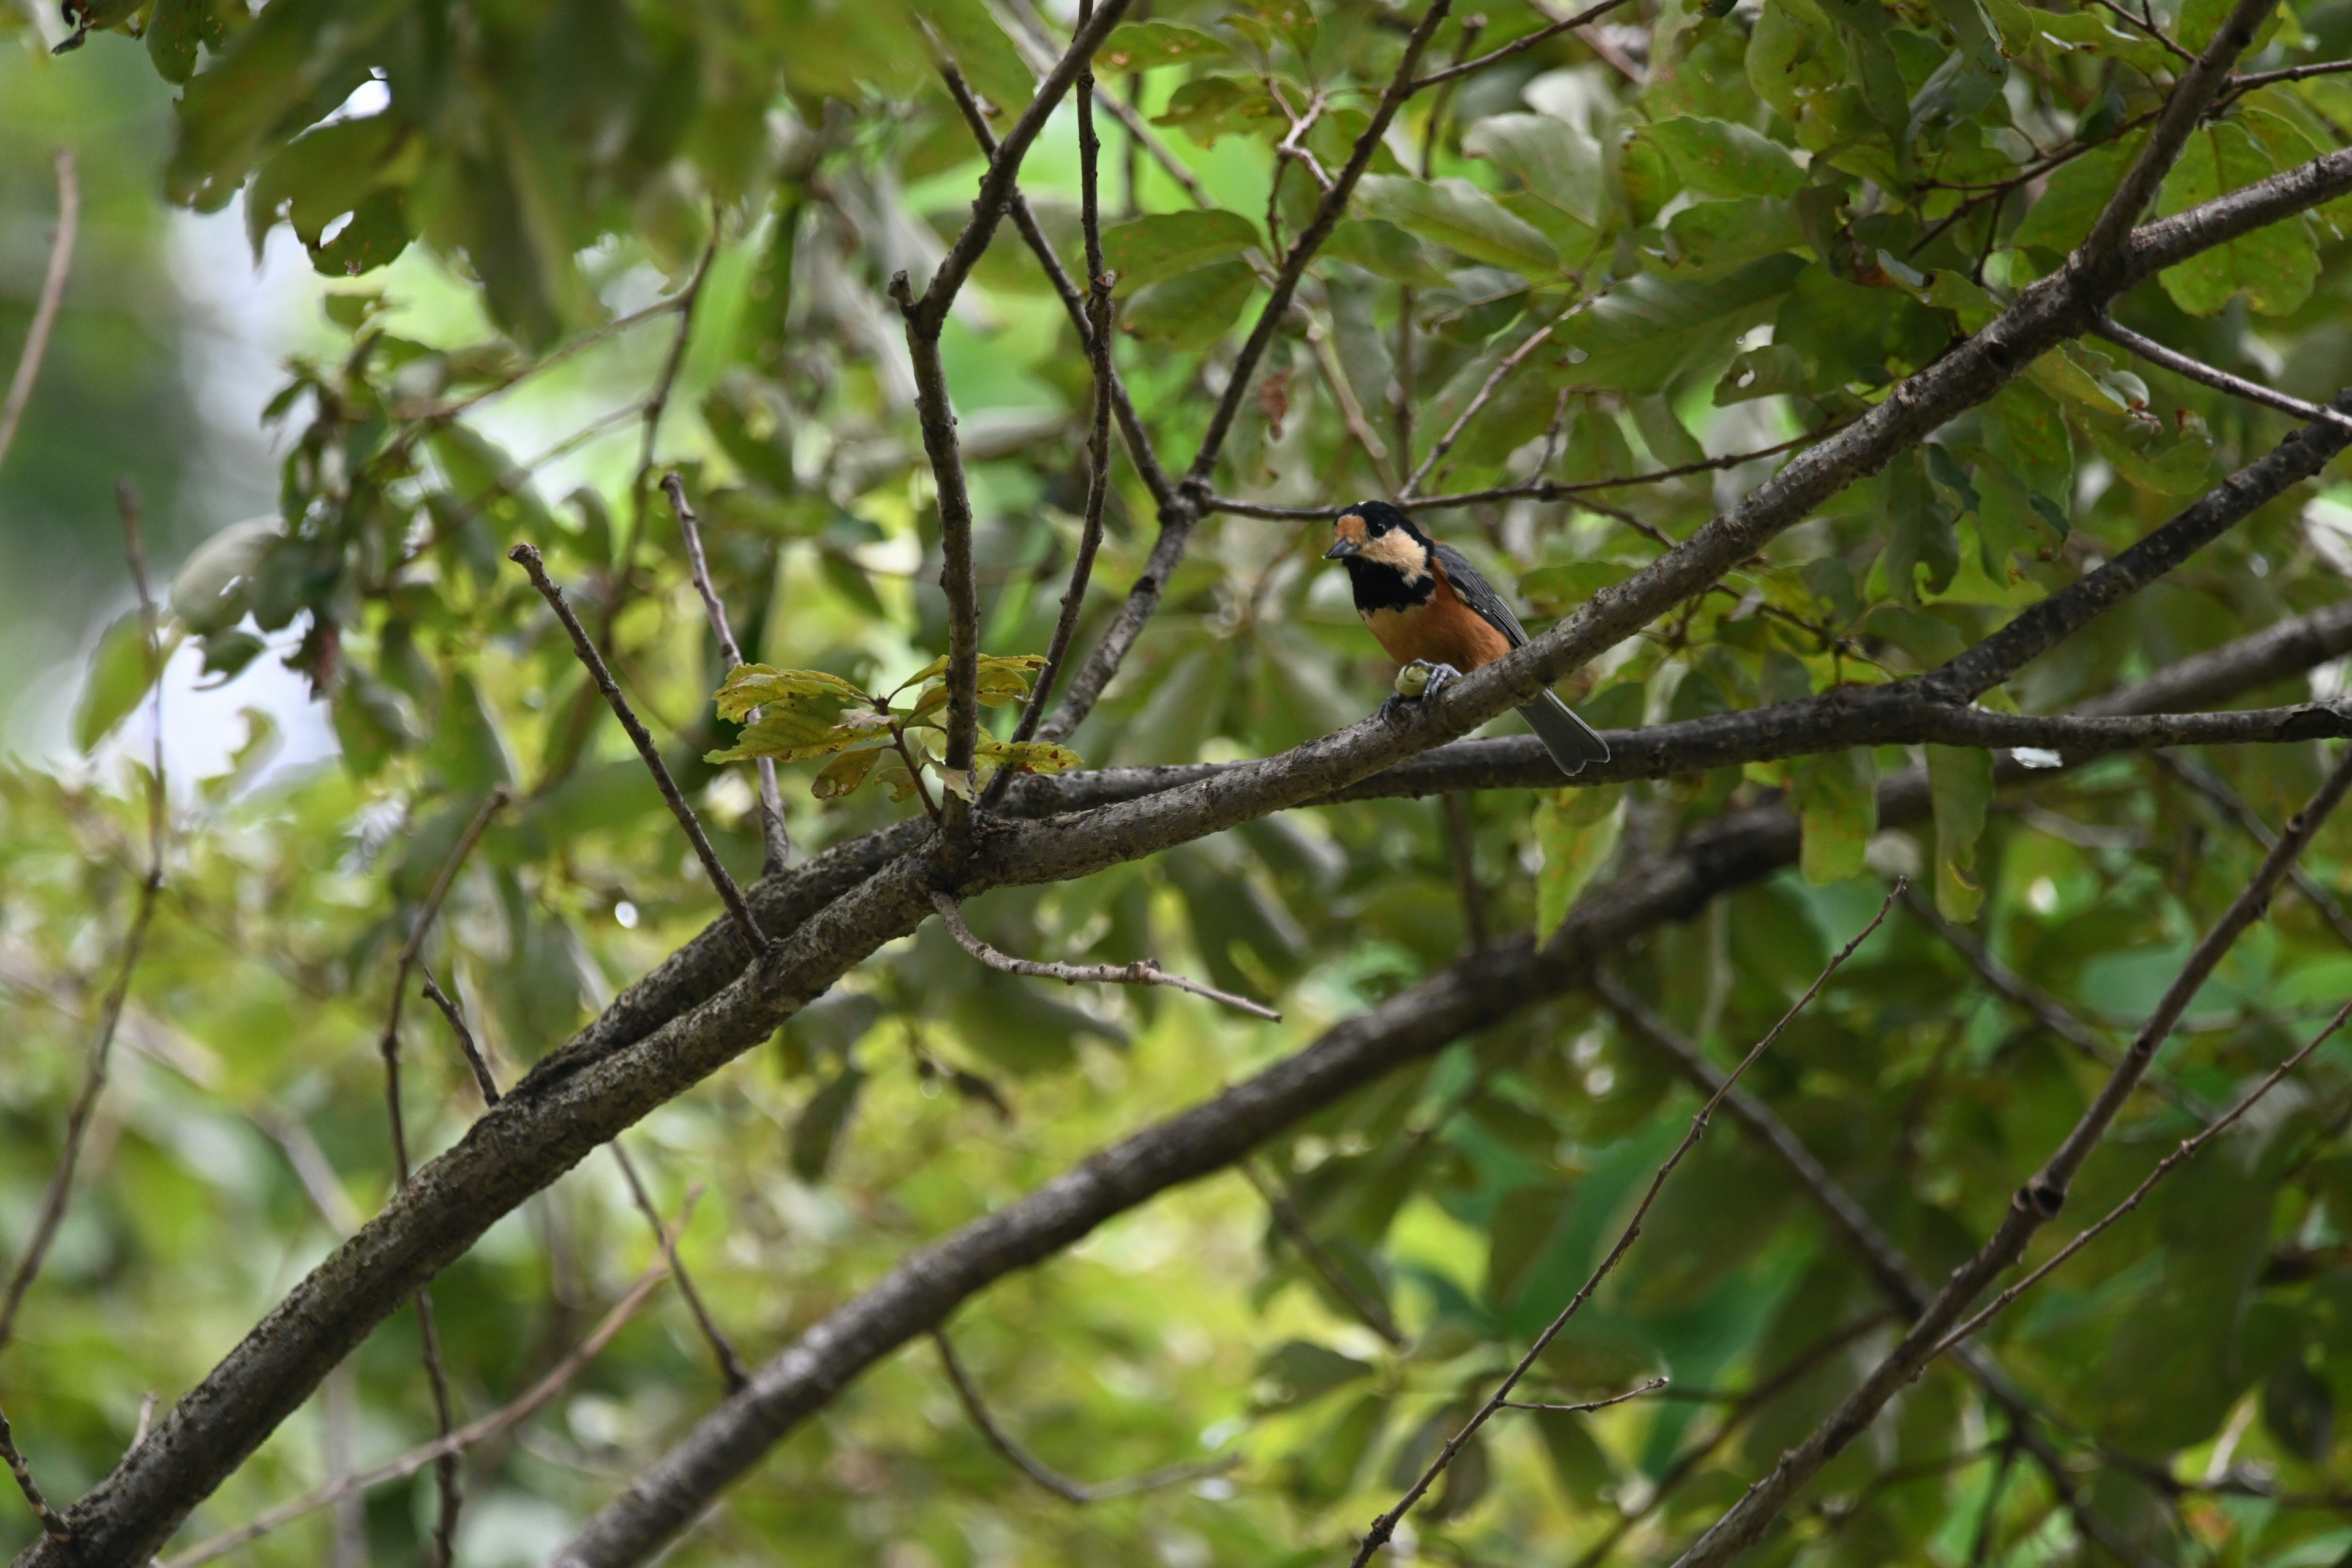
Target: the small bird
pixel 1435 615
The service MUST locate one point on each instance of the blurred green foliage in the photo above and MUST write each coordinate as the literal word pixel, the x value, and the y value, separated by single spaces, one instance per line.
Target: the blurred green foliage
pixel 1753 223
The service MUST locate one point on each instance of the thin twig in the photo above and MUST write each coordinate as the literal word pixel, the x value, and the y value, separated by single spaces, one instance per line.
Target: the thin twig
pixel 52 1523
pixel 2047 1010
pixel 2171 45
pixel 1351 412
pixel 1040 51
pixel 1292 1224
pixel 2185 1150
pixel 55 1196
pixel 2181 364
pixel 525 1406
pixel 483 1079
pixel 447 1475
pixel 1542 489
pixel 53 294
pixel 731 1371
pixel 772 799
pixel 2209 784
pixel 1519 45
pixel 528 558
pixel 1493 384
pixel 1384 1527
pixel 1636 1393
pixel 1074 303
pixel 1098 323
pixel 1061 1486
pixel 1142 971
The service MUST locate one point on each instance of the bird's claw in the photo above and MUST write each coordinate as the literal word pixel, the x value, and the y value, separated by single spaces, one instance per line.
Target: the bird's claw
pixel 1416 682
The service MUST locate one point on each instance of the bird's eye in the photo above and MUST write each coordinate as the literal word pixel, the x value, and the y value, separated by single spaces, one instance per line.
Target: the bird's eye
pixel 1379 528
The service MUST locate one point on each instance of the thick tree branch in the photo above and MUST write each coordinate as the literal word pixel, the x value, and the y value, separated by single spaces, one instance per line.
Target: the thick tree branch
pixel 701 1007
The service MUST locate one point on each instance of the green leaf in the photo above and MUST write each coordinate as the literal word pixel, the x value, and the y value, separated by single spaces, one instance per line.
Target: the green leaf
pixel 1551 158
pixel 750 686
pixel 1457 215
pixel 1384 251
pixel 1649 331
pixel 1190 312
pixel 847 770
pixel 1576 830
pixel 1717 158
pixel 1154 248
pixel 2170 458
pixel 1836 797
pixel 2274 267
pixel 2074 197
pixel 1959 783
pixel 121 671
pixel 1141 46
pixel 1209 107
pixel 1552 590
pixel 989 60
pixel 817 1129
pixel 209 593
pixel 2025 433
pixel 1300 1371
pixel 1027 756
pixel 1710 238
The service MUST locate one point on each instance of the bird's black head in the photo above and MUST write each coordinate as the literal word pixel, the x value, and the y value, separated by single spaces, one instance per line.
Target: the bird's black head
pixel 1373 534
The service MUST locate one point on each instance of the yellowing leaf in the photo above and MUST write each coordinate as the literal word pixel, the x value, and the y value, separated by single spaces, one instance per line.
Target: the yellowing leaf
pixel 750 686
pixel 1960 782
pixel 1836 797
pixel 1028 756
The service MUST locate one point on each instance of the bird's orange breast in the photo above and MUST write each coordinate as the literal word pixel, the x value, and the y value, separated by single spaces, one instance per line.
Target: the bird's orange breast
pixel 1442 630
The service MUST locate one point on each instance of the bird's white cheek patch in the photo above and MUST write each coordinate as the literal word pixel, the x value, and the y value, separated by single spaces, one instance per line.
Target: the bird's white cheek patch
pixel 1398 549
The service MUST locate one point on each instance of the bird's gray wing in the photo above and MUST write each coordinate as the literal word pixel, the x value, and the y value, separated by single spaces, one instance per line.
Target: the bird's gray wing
pixel 1479 593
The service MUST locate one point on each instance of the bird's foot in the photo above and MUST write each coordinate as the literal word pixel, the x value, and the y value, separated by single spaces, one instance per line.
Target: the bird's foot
pixel 1417 681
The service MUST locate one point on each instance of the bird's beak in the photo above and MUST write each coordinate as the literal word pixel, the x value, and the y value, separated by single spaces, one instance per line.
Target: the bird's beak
pixel 1342 550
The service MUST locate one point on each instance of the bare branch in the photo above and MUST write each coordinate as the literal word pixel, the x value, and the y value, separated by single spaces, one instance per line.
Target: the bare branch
pixel 53 295
pixel 1074 303
pixel 1520 45
pixel 2186 1152
pixel 1292 1225
pixel 53 1524
pixel 2205 781
pixel 722 1348
pixel 1542 489
pixel 1634 1393
pixel 527 556
pixel 2046 1009
pixel 2181 364
pixel 937 413
pixel 2101 255
pixel 472 1052
pixel 1053 1481
pixel 1384 1527
pixel 926 317
pixel 60 1190
pixel 772 799
pixel 1142 971
pixel 1486 393
pixel 1038 49
pixel 1097 337
pixel 2036 1202
pixel 1327 214
pixel 507 1416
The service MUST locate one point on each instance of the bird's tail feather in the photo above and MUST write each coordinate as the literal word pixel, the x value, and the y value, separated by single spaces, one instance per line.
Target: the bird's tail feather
pixel 1571 741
